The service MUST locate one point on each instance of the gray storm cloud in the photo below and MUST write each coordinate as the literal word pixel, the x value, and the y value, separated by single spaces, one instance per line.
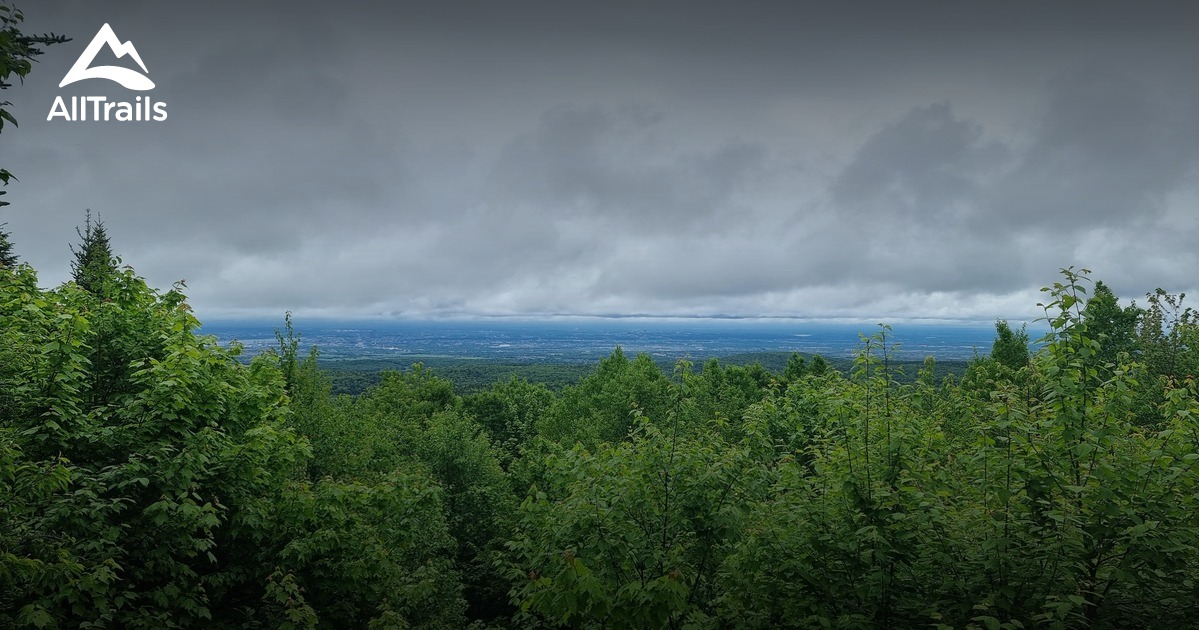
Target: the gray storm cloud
pixel 778 159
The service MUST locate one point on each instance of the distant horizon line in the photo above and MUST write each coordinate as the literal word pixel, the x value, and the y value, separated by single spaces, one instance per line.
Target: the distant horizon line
pixel 550 317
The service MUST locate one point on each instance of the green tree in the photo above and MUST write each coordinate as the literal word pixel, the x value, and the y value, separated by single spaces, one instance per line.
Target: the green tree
pixel 635 532
pixel 412 421
pixel 819 366
pixel 1115 327
pixel 509 410
pixel 8 257
pixel 1168 335
pixel 177 496
pixel 18 51
pixel 347 554
pixel 94 265
pixel 122 336
pixel 479 504
pixel 602 406
pixel 1038 504
pixel 796 368
pixel 1109 484
pixel 727 391
pixel 1011 346
pixel 151 475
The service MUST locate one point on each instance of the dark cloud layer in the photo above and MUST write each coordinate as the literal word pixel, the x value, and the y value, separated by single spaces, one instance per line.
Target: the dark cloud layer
pixel 878 160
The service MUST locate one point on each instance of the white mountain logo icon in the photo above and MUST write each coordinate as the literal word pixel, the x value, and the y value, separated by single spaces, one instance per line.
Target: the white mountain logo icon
pixel 126 77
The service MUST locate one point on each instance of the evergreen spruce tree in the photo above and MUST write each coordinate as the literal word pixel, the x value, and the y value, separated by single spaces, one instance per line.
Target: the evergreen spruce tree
pixel 18 51
pixel 94 262
pixel 8 258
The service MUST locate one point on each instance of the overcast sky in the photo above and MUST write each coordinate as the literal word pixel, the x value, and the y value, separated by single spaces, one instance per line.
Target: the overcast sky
pixel 882 160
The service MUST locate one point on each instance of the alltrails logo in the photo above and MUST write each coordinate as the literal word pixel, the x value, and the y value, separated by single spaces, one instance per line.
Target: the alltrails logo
pixel 99 107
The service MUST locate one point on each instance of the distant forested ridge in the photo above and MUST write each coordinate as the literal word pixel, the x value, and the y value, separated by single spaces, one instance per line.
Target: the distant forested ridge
pixel 354 376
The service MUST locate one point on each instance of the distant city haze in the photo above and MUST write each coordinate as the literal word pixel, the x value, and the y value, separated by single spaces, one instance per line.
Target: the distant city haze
pixel 587 341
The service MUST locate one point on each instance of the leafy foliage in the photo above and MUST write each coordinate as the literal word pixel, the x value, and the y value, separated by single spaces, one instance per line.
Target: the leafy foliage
pixel 1034 498
pixel 601 408
pixel 634 534
pixel 159 485
pixel 1011 346
pixel 1115 327
pixel 1169 336
pixel 509 411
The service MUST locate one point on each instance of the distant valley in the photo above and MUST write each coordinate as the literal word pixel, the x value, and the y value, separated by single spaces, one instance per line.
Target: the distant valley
pixel 475 354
